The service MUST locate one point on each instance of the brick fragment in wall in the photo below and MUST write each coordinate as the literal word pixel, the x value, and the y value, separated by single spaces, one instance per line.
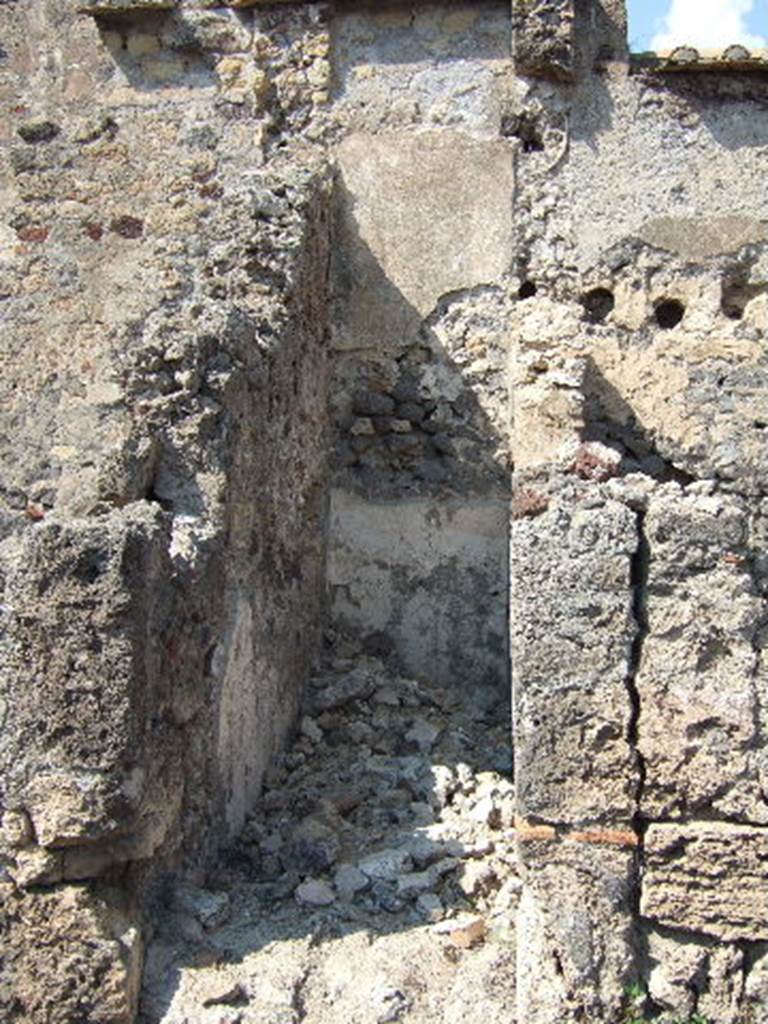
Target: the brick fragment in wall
pixel 710 878
pixel 572 631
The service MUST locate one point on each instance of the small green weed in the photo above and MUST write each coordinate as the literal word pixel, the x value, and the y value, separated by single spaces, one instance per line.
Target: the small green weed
pixel 635 998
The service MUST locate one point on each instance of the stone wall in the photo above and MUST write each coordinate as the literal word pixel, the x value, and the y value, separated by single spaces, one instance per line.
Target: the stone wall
pixel 165 214
pixel 423 247
pixel 419 319
pixel 549 234
pixel 638 604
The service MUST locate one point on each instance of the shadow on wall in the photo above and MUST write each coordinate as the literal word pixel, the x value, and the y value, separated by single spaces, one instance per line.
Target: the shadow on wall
pixel 611 420
pixel 159 50
pixel 420 401
pixel 599 40
pixel 418 562
pixel 730 105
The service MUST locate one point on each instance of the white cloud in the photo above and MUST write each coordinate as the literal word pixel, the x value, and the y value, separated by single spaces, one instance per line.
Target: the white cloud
pixel 706 24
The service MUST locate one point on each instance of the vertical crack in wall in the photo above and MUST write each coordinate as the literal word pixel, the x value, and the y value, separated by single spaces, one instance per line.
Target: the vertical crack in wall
pixel 639 572
pixel 298 996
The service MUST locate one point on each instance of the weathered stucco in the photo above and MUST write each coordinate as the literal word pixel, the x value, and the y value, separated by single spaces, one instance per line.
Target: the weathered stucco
pixel 405 197
pixel 402 575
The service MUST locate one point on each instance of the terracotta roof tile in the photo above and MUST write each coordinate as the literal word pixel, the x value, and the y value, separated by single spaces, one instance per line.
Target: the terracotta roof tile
pixel 690 58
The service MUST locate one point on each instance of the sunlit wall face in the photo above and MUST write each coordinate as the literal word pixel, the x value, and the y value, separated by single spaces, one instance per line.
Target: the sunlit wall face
pixel 705 24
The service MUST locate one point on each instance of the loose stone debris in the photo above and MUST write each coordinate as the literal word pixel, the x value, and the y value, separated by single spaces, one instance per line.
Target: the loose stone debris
pixel 377 880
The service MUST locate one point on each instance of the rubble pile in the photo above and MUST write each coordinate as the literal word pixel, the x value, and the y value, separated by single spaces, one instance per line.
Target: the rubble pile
pixel 376 881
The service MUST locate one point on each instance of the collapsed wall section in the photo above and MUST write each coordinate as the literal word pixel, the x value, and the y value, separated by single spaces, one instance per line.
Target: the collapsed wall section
pixel 165 226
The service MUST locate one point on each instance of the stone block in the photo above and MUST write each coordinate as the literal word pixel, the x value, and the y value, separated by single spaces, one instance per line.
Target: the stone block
pixel 69 808
pixel 710 878
pixel 574 956
pixel 572 633
pixel 695 974
pixel 697 238
pixel 756 986
pixel 69 953
pixel 700 673
pixel 81 601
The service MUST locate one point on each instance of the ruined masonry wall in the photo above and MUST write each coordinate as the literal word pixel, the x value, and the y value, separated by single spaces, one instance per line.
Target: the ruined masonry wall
pixel 638 576
pixel 420 401
pixel 421 319
pixel 163 412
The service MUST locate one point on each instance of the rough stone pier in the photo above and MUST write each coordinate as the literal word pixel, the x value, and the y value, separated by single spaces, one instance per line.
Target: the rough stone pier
pixel 364 363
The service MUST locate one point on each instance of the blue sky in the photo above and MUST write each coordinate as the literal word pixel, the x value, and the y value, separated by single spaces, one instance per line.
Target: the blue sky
pixel 644 15
pixel 657 24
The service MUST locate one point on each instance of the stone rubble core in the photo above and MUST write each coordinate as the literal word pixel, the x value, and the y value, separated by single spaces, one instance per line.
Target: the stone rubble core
pixel 363 362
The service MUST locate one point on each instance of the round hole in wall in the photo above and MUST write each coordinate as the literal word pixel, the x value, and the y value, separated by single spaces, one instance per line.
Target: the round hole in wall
pixel 527 290
pixel 669 313
pixel 598 303
pixel 736 296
